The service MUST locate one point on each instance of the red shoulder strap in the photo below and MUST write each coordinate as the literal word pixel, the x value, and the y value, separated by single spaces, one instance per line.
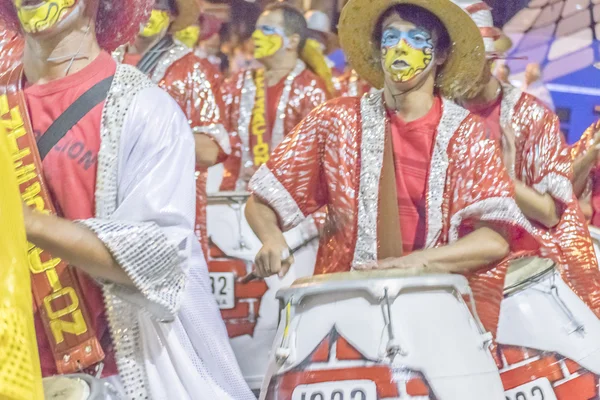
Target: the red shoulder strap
pixel 56 291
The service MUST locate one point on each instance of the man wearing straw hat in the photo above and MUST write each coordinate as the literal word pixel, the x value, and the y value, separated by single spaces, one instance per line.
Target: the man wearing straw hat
pixel 98 143
pixel 193 82
pixel 408 177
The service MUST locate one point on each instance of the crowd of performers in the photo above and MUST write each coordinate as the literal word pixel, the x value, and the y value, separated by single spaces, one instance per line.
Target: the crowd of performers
pixel 415 160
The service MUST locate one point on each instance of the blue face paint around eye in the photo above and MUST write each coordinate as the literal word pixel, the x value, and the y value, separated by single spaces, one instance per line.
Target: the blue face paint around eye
pixel 418 38
pixel 270 30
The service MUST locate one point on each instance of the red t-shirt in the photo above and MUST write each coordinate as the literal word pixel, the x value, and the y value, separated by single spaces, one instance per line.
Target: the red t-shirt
pixel 273 96
pixel 70 171
pixel 413 146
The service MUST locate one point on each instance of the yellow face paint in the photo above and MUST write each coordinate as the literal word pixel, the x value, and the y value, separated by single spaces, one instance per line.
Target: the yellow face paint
pixel 189 36
pixel 406 54
pixel 46 15
pixel 158 22
pixel 267 41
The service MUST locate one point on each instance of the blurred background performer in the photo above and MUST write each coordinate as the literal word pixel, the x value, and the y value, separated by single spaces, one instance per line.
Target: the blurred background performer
pixel 264 105
pixel 391 167
pixel 20 374
pixel 539 163
pixel 204 39
pixel 98 143
pixel 193 82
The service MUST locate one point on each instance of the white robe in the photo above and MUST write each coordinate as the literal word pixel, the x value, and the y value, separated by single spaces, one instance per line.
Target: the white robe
pixel 169 337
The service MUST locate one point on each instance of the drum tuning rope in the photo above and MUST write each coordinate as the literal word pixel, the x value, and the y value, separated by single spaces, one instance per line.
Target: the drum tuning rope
pixel 393 348
pixel 283 352
pixel 574 325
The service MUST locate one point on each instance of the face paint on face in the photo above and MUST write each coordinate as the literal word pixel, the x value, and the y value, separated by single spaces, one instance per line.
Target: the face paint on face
pixel 268 40
pixel 189 36
pixel 44 15
pixel 158 22
pixel 406 54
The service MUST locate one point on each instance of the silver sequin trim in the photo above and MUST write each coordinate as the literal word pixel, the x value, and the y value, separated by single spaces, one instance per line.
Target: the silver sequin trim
pixel 497 209
pixel 371 162
pixel 175 53
pixel 452 116
pixel 267 187
pixel 278 127
pixel 218 133
pixel 247 99
pixel 122 317
pixel 510 96
pixel 558 186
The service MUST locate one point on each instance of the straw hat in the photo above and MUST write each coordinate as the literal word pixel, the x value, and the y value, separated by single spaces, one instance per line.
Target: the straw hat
pixel 188 12
pixel 465 59
pixel 117 21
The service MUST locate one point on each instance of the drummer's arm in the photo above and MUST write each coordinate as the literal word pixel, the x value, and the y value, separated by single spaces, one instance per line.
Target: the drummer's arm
pixel 207 150
pixel 479 248
pixel 263 221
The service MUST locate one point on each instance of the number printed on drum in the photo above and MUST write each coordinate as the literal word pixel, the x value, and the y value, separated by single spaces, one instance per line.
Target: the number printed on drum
pixel 222 285
pixel 540 389
pixel 341 390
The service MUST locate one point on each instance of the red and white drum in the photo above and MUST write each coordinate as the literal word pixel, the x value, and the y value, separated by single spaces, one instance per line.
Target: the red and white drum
pixel 250 310
pixel 549 338
pixel 379 335
pixel 77 387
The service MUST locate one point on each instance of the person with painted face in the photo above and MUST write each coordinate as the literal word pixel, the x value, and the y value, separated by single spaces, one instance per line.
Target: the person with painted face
pixel 105 164
pixel 540 165
pixel 408 177
pixel 193 82
pixel 265 104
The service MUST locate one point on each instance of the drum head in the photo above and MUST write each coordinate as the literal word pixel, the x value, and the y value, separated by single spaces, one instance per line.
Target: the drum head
pixel 64 388
pixel 361 275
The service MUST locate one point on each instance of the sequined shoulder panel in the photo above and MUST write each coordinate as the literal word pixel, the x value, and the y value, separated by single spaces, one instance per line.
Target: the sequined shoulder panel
pixel 172 55
pixel 452 116
pixel 372 144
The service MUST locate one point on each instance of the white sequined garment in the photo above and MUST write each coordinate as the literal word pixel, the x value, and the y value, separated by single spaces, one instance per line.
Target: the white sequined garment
pixel 168 334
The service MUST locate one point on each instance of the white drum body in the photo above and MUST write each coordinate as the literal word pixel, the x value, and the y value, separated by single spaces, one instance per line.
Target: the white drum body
pixel 549 340
pixel 76 387
pixel 251 311
pixel 342 337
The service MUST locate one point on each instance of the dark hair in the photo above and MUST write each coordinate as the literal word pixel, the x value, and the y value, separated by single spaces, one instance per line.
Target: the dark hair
pixel 293 21
pixel 418 16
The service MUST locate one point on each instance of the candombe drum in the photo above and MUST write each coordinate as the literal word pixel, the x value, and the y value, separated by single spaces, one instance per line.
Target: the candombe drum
pixel 77 387
pixel 549 339
pixel 379 335
pixel 250 310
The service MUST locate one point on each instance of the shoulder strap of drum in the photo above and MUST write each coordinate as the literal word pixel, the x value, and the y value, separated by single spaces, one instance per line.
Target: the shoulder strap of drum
pixel 56 291
pixel 152 56
pixel 72 115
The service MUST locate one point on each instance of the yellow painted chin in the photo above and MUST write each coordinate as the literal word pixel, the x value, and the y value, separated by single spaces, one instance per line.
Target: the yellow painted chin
pixel 48 14
pixel 189 36
pixel 417 61
pixel 158 22
pixel 265 46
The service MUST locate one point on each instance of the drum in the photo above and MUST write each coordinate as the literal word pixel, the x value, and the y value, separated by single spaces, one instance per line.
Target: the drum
pixel 250 310
pixel 549 339
pixel 77 387
pixel 381 334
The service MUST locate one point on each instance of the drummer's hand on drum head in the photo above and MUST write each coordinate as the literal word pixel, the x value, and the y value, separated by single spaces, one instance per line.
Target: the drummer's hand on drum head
pixel 273 258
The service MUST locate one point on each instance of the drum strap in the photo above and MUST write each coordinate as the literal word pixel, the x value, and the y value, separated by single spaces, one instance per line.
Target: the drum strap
pixel 389 235
pixel 56 291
